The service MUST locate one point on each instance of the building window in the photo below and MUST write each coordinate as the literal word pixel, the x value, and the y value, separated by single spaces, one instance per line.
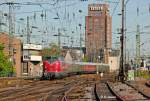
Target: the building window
pixel 89 33
pixel 90 24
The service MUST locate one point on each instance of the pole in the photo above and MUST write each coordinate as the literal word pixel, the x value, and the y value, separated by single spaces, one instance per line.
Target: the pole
pixel 121 71
pixel 80 43
pixel 11 31
pixel 138 41
pixel 125 34
pixel 138 46
pixel 59 38
pixel 1 18
pixel 28 41
pixel 28 31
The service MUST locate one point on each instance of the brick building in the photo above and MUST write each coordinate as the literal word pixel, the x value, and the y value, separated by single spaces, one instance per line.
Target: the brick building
pixel 16 52
pixel 98 30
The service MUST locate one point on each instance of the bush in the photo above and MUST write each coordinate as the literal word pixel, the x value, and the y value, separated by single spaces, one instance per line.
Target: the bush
pixel 143 73
pixel 5 64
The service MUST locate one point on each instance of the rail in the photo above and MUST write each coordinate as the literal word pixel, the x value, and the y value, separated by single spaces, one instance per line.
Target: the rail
pixel 123 92
pixel 96 94
pixel 64 98
pixel 115 93
pixel 35 90
pixel 147 83
pixel 146 96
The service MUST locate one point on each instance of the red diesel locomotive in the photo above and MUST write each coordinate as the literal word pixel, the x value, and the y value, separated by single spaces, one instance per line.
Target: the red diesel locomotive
pixel 52 67
pixel 55 68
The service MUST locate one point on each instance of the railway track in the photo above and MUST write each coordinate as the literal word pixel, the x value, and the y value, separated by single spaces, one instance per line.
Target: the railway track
pixel 148 83
pixel 82 90
pixel 127 93
pixel 67 89
pixel 140 86
pixel 109 90
pixel 74 88
pixel 66 94
pixel 103 91
pixel 33 91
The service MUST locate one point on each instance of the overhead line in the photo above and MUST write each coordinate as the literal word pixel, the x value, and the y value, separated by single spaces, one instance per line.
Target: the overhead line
pixel 127 2
pixel 115 8
pixel 47 9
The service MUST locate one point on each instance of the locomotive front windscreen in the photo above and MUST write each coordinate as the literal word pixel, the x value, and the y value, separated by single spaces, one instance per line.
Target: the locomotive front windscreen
pixel 50 59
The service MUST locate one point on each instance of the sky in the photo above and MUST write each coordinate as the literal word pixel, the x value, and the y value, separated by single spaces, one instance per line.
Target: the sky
pixel 66 15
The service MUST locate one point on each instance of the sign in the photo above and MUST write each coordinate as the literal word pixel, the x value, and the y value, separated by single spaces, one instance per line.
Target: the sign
pixel 35 58
pixel 131 75
pixel 26 58
pixel 32 58
pixel 32 46
pixel 96 8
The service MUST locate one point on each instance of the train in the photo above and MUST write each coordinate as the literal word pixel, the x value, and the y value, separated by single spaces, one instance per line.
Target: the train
pixel 54 67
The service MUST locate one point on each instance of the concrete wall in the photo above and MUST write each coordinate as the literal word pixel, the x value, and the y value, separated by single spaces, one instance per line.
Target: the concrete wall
pixel 35 70
pixel 114 63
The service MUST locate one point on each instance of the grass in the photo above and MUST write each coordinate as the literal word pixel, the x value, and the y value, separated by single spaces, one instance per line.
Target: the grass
pixel 143 73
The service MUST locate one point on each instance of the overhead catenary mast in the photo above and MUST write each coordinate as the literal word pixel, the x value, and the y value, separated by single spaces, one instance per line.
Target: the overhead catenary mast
pixel 138 41
pixel 11 32
pixel 28 30
pixel 121 69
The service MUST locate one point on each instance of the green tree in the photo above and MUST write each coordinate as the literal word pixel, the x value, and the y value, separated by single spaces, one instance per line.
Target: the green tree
pixel 53 50
pixel 85 59
pixel 5 64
